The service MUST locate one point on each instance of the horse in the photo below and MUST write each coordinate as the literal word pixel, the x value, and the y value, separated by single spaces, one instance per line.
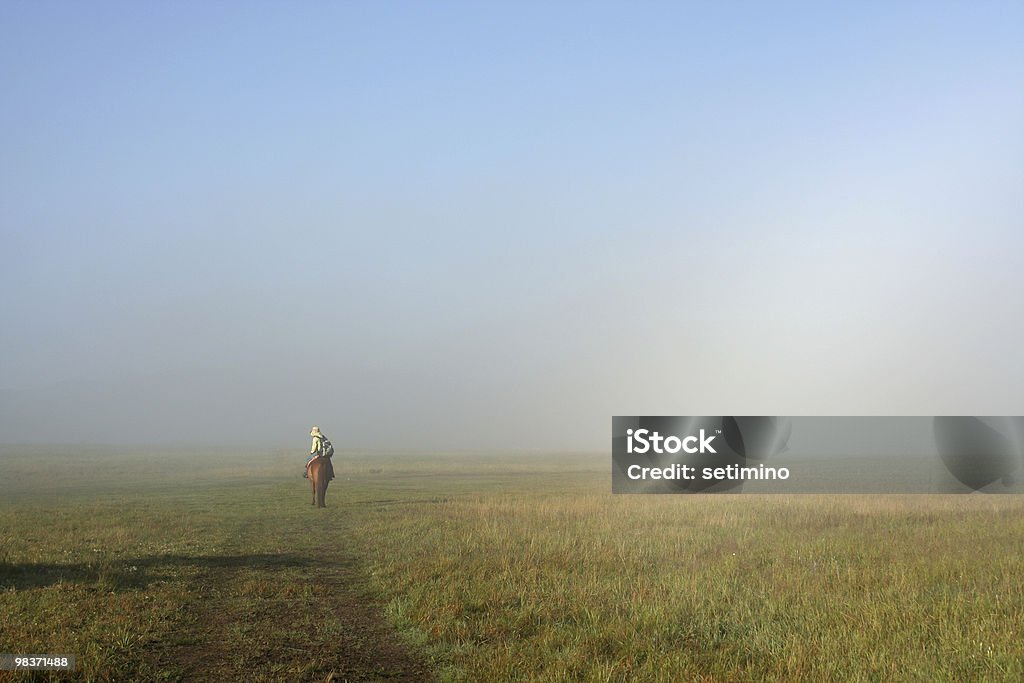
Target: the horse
pixel 319 477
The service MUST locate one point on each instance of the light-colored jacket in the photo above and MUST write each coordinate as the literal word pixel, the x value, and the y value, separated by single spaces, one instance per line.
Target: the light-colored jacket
pixel 318 445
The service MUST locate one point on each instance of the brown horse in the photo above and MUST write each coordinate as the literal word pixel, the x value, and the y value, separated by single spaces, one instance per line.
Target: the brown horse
pixel 319 477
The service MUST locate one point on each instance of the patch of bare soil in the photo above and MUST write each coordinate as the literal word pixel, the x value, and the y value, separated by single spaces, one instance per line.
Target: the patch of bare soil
pixel 270 618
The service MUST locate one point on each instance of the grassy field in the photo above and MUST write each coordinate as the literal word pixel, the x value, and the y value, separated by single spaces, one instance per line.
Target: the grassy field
pixel 186 565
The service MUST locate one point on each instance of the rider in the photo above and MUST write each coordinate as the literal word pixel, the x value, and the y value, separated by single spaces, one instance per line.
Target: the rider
pixel 315 449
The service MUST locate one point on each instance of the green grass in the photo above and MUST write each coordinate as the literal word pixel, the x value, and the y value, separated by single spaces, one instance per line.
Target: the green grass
pixel 210 567
pixel 493 568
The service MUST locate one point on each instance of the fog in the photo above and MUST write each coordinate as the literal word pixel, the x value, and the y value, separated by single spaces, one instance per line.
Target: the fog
pixel 464 227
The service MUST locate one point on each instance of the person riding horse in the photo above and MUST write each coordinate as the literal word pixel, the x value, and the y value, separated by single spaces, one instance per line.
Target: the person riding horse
pixel 317 449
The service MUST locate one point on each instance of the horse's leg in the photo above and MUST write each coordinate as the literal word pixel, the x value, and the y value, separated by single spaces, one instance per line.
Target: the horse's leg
pixel 312 485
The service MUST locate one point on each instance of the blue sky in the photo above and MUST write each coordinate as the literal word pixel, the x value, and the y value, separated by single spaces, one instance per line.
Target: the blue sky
pixel 477 225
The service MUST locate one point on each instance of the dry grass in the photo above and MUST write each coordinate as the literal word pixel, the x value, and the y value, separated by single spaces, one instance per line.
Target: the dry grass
pixel 501 568
pixel 528 585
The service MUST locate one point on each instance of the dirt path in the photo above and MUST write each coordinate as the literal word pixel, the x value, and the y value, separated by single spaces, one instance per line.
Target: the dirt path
pixel 302 615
